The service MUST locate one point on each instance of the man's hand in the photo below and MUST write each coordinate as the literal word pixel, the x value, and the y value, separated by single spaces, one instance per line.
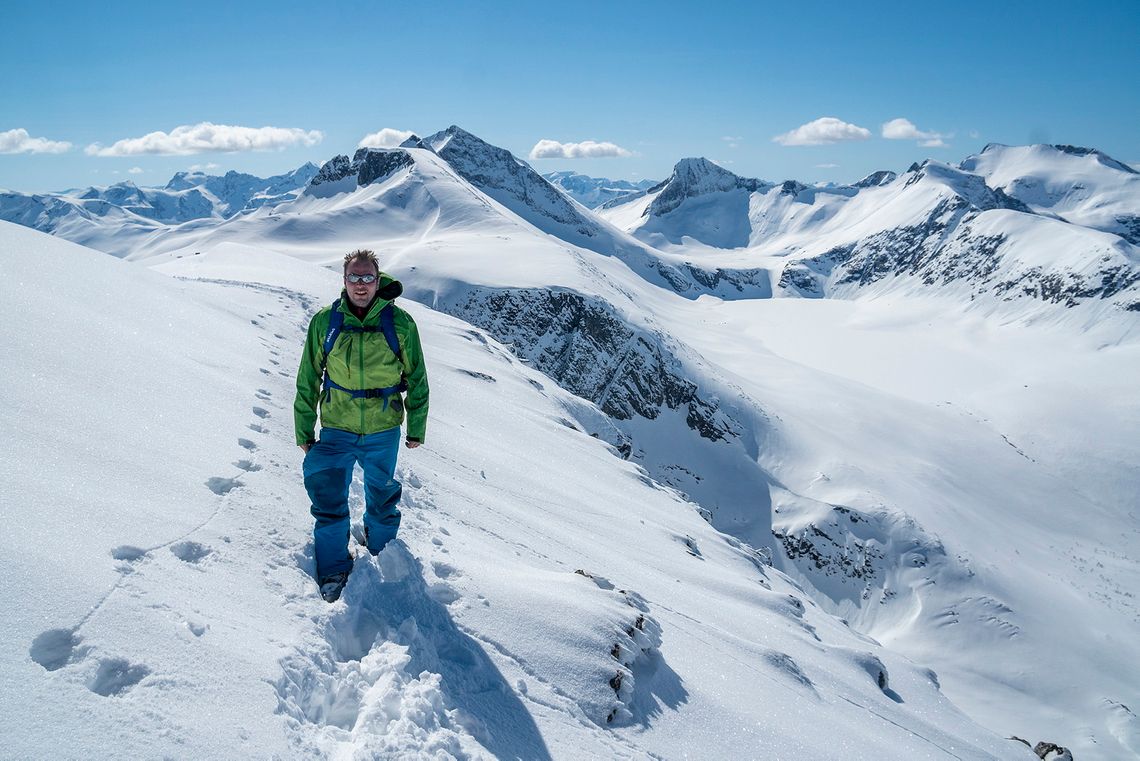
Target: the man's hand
pixel 306 447
pixel 411 444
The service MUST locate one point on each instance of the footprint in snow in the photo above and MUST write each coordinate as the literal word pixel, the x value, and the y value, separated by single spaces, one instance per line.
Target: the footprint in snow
pixel 116 676
pixel 261 412
pixel 247 444
pixel 249 466
pixel 257 428
pixel 220 486
pixel 55 648
pixel 128 552
pixel 190 552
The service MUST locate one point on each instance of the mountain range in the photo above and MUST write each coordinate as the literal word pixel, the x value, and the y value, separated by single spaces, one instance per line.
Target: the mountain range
pixel 904 403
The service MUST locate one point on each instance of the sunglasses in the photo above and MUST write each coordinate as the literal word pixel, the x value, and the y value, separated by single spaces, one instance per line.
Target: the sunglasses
pixel 366 279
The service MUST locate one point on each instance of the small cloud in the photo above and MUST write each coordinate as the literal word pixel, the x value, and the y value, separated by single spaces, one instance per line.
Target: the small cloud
pixel 587 149
pixel 823 131
pixel 974 134
pixel 721 162
pixel 904 129
pixel 135 170
pixel 733 142
pixel 19 141
pixel 385 138
pixel 827 166
pixel 208 138
pixel 204 167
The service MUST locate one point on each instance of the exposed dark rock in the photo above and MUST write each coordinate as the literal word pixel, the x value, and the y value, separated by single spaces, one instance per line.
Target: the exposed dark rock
pixel 594 353
pixel 1129 228
pixel 876 179
pixel 367 164
pixel 1101 156
pixel 1048 751
pixel 376 164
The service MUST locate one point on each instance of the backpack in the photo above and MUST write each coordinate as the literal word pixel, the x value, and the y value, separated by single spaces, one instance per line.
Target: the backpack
pixel 387 326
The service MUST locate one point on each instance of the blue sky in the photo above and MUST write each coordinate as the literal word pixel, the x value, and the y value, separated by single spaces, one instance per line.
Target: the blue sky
pixel 657 81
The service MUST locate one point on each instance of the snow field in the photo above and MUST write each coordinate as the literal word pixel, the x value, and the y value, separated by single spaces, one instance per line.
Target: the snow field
pixel 474 636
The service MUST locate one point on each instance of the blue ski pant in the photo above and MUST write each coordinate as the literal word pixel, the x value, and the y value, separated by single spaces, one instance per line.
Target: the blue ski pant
pixel 328 474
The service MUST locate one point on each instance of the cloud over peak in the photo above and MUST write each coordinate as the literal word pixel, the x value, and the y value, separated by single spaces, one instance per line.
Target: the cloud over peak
pixel 826 130
pixel 385 138
pixel 904 129
pixel 206 137
pixel 19 141
pixel 587 149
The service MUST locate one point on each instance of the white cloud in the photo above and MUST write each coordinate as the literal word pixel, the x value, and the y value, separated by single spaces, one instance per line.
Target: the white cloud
pixel 203 167
pixel 904 129
pixel 19 141
pixel 206 138
pixel 823 131
pixel 385 138
pixel 974 134
pixel 135 170
pixel 827 166
pixel 587 149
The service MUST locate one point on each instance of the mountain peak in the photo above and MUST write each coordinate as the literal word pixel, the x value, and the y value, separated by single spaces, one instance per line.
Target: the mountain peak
pixel 695 177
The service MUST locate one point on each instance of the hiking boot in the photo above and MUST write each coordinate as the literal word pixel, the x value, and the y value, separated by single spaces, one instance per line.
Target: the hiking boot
pixel 332 586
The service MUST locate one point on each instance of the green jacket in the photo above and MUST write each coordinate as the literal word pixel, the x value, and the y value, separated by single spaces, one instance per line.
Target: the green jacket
pixel 360 361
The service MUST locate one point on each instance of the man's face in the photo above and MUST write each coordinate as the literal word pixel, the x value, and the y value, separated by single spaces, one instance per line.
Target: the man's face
pixel 360 294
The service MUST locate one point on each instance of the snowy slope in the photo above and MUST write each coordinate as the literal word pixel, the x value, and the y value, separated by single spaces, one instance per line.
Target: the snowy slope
pixel 1080 185
pixel 546 599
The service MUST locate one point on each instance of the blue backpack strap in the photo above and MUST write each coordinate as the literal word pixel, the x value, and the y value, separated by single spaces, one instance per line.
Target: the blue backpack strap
pixel 388 325
pixel 336 323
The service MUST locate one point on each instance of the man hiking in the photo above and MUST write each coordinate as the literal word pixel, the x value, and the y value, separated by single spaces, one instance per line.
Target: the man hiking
pixel 363 364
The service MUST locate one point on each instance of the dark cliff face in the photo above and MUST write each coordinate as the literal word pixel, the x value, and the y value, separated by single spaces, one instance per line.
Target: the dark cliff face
pixel 876 179
pixel 367 164
pixel 592 352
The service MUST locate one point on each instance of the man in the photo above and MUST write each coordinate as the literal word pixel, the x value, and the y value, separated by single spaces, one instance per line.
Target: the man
pixel 363 364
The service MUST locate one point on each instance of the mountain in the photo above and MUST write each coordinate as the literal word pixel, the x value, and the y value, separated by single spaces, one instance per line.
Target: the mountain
pixel 1079 185
pixel 943 465
pixel 592 192
pixel 120 214
pixel 935 227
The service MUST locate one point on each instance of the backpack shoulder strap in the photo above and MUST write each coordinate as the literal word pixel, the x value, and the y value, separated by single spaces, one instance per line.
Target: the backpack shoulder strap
pixel 388 325
pixel 336 322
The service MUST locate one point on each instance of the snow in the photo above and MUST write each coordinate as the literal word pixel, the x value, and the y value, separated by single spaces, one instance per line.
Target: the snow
pixel 194 628
pixel 913 522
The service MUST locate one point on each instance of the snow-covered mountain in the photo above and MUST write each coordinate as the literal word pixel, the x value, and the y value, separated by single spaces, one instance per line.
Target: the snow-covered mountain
pixel 592 192
pixel 96 215
pixel 1079 185
pixel 934 227
pixel 916 454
